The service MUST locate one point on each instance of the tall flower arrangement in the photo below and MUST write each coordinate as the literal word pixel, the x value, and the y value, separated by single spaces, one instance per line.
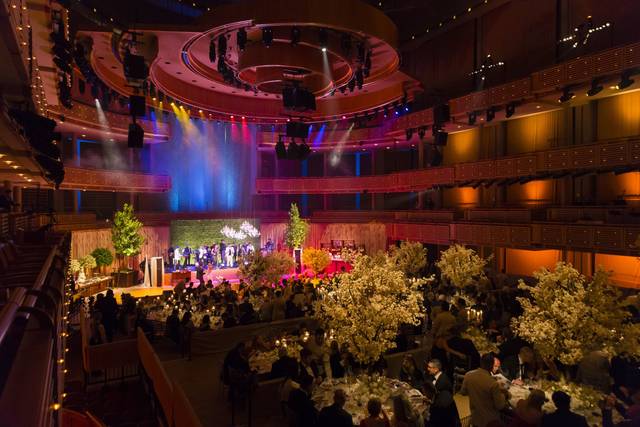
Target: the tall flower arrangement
pixel 125 233
pixel 461 266
pixel 567 316
pixel 266 270
pixel 410 257
pixel 297 228
pixel 368 306
pixel 316 259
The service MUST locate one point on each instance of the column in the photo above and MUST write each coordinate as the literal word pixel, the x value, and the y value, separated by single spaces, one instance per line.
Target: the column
pixel 358 195
pixel 75 161
pixel 17 198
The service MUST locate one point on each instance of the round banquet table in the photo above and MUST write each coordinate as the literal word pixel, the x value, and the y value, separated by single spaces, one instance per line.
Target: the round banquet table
pixel 360 389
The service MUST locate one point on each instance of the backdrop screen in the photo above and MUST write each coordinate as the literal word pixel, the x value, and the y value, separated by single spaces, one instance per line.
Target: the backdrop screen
pixel 195 233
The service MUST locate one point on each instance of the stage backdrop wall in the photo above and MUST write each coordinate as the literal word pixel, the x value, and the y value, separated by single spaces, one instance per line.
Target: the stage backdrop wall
pixel 83 242
pixel 372 235
pixel 206 231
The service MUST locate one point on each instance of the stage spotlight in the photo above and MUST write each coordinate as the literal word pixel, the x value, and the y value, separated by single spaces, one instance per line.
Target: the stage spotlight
pixel 303 151
pixel 352 84
pixel 491 114
pixel 595 88
pixel 295 36
pixel 160 96
pixel 281 149
pixel 95 92
pixel 241 38
pixel 323 39
pixel 359 78
pixel 408 133
pixel 472 118
pixel 222 45
pixel 510 109
pixel 626 80
pixel 386 111
pixel 267 36
pixel 567 95
pixel 293 151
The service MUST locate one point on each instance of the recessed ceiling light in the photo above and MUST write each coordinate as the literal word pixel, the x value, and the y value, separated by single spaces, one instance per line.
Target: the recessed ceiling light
pixel 537 106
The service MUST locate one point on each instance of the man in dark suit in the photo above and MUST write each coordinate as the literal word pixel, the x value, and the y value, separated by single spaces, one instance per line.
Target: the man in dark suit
pixel 521 366
pixel 223 252
pixel 186 253
pixel 171 253
pixel 334 415
pixel 443 410
pixel 304 411
pixel 285 366
pixel 563 417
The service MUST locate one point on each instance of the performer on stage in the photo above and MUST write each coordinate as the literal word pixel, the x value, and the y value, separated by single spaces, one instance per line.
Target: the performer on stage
pixel 229 251
pixel 223 253
pixel 200 274
pixel 268 247
pixel 171 252
pixel 186 253
pixel 176 258
pixel 215 252
pixel 196 253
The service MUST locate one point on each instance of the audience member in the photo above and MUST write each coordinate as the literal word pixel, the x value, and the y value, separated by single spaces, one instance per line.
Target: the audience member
pixel 486 398
pixel 528 412
pixel 377 416
pixel 443 410
pixel 301 405
pixel 562 416
pixel 335 415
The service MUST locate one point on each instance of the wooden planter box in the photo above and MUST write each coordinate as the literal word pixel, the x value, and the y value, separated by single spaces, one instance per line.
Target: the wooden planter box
pixel 125 279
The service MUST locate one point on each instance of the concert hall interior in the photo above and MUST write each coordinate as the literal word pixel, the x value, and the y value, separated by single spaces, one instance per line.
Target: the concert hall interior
pixel 174 168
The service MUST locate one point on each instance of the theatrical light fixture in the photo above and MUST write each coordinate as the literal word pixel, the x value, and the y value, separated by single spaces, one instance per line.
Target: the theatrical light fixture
pixel 212 50
pixel 491 113
pixel 510 109
pixel 241 38
pixel 472 118
pixel 595 88
pixel 409 133
pixel 567 95
pixel 386 111
pixel 323 39
pixel 267 36
pixel 626 80
pixel 222 45
pixel 295 36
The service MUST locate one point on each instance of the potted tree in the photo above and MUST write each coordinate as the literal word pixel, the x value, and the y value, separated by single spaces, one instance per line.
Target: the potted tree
pixel 104 258
pixel 316 260
pixel 296 234
pixel 127 242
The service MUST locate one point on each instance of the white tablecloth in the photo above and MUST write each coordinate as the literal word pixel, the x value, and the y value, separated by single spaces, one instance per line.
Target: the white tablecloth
pixel 359 390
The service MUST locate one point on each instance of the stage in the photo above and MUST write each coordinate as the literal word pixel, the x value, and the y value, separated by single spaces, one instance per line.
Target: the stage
pixel 216 276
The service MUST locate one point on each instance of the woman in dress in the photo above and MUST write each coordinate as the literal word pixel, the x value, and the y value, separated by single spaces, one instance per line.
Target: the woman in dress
pixel 403 413
pixel 377 417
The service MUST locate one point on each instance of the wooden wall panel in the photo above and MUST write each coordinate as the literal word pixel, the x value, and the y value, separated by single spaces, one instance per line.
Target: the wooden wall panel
pixel 83 242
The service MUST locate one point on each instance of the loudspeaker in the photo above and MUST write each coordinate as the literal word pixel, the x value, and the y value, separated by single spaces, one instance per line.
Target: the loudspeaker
pixel 441 113
pixel 134 67
pixel 137 106
pixel 135 138
pixel 440 138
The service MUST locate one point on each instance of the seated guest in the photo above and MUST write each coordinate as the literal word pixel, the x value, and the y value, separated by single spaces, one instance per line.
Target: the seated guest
pixel 403 413
pixel 528 412
pixel 279 307
pixel 511 345
pixel 443 322
pixel 98 335
pixel 443 410
pixel 334 415
pixel 563 417
pixel 205 325
pixel 374 408
pixel 521 367
pixel 301 405
pixel 593 370
pixel 228 320
pixel 308 367
pixel 462 351
pixel 285 366
pixel 235 363
pixel 409 371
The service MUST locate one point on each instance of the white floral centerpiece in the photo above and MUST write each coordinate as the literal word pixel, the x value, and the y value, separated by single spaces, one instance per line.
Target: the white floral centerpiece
pixel 568 316
pixel 480 340
pixel 461 266
pixel 368 306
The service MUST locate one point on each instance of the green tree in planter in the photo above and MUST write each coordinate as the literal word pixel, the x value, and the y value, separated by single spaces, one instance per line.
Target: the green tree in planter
pixel 125 232
pixel 297 228
pixel 103 256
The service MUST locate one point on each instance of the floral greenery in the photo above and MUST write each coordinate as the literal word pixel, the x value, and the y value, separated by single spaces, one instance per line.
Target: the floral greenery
pixel 78 265
pixel 88 262
pixel 297 228
pixel 201 232
pixel 480 340
pixel 368 306
pixel 461 266
pixel 567 317
pixel 410 257
pixel 103 256
pixel 125 232
pixel 316 259
pixel 266 270
pixel 75 266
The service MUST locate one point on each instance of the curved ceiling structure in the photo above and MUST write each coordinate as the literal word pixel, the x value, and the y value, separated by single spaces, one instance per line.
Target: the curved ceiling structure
pixel 226 64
